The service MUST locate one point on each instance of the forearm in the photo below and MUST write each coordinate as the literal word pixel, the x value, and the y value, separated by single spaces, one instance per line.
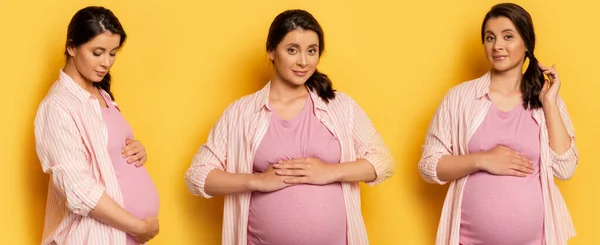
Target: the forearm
pixel 450 168
pixel 111 213
pixel 358 171
pixel 221 183
pixel 559 138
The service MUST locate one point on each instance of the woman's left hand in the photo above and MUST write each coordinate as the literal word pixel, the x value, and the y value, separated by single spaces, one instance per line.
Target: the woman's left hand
pixel 306 171
pixel 135 151
pixel 549 93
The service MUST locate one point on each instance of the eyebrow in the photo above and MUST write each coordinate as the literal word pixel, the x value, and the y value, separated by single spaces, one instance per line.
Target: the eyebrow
pixel 103 49
pixel 296 45
pixel 505 30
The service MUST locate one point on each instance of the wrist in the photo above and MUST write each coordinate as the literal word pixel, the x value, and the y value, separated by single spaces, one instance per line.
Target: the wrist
pixel 139 227
pixel 549 104
pixel 479 161
pixel 336 173
pixel 253 182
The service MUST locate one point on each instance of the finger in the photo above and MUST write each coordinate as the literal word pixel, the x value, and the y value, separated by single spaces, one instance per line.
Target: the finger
pixel 293 160
pixel 521 168
pixel 137 157
pixel 522 165
pixel 522 160
pixel 136 150
pixel 291 172
pixel 130 146
pixel 290 166
pixel 551 74
pixel 543 67
pixel 297 180
pixel 141 162
pixel 517 173
pixel 131 159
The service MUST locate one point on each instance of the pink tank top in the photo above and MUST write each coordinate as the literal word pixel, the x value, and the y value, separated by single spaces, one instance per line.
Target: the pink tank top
pixel 140 196
pixel 504 210
pixel 302 214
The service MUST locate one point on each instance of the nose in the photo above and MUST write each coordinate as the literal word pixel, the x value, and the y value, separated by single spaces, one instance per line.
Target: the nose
pixel 302 61
pixel 106 61
pixel 498 45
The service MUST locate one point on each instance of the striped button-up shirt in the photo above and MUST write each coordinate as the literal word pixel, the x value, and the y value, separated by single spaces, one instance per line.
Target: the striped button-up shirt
pixel 234 139
pixel 461 112
pixel 71 143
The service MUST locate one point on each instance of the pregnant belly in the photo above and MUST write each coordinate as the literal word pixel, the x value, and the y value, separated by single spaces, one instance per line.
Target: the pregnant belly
pixel 140 196
pixel 502 210
pixel 298 215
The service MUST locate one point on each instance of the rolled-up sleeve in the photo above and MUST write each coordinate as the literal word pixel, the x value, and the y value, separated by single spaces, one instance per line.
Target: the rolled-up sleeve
pixel 369 145
pixel 61 151
pixel 438 143
pixel 211 155
pixel 564 165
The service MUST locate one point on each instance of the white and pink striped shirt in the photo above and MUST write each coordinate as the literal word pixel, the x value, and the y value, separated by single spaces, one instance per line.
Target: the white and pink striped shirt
pixel 461 112
pixel 234 139
pixel 71 143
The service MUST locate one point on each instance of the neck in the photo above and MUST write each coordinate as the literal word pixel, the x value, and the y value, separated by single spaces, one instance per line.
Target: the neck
pixel 283 90
pixel 74 74
pixel 506 82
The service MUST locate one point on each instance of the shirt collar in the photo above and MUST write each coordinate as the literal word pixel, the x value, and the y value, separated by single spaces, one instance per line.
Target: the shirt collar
pixel 262 100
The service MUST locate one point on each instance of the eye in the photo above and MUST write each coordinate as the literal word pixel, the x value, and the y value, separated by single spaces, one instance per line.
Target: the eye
pixel 292 51
pixel 508 37
pixel 490 38
pixel 113 54
pixel 97 54
pixel 312 51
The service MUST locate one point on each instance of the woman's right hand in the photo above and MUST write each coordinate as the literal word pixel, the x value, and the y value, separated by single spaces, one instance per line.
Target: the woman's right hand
pixel 504 161
pixel 268 181
pixel 148 230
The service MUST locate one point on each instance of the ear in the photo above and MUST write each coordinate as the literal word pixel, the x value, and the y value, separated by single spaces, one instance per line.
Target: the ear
pixel 71 50
pixel 271 55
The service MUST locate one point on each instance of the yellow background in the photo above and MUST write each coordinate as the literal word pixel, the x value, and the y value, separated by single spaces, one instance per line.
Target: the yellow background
pixel 185 61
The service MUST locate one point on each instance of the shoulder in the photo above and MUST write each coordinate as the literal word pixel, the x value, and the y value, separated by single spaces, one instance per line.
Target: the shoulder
pixel 464 89
pixel 341 100
pixel 58 99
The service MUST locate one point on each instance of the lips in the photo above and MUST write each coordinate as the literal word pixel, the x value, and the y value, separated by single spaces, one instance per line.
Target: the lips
pixel 499 57
pixel 300 73
pixel 101 73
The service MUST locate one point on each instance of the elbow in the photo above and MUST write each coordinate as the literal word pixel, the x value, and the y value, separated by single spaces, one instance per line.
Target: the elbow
pixel 565 171
pixel 384 167
pixel 82 203
pixel 428 172
pixel 195 184
pixel 388 170
pixel 564 165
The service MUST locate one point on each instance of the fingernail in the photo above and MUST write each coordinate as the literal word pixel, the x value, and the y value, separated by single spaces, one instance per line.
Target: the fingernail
pixel 276 165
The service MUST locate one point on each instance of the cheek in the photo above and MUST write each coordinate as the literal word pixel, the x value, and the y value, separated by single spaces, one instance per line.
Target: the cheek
pixel 518 47
pixel 112 60
pixel 488 49
pixel 314 60
pixel 88 60
pixel 81 62
pixel 283 61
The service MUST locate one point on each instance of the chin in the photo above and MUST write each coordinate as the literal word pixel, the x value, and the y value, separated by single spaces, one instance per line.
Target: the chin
pixel 297 81
pixel 96 79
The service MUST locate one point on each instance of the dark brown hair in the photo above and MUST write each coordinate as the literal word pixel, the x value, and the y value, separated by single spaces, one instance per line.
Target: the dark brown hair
pixel 533 79
pixel 289 21
pixel 88 23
